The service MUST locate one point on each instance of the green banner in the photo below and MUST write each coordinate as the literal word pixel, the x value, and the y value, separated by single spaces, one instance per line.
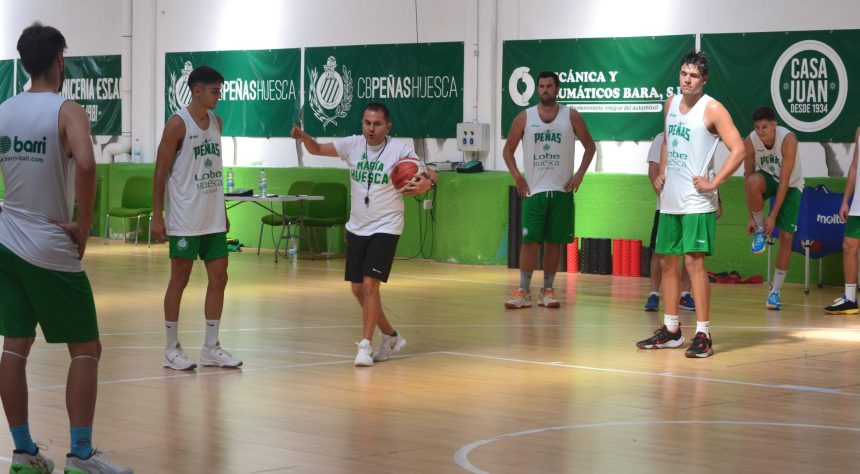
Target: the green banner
pixel 92 82
pixel 803 75
pixel 260 95
pixel 7 76
pixel 618 84
pixel 421 84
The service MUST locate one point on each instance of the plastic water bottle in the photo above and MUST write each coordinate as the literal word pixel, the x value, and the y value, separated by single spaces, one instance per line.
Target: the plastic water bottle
pixel 136 155
pixel 262 183
pixel 230 181
pixel 293 248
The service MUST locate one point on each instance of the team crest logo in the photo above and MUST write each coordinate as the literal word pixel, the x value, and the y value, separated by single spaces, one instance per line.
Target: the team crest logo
pixel 330 94
pixel 178 93
pixel 182 244
pixel 809 86
pixel 208 163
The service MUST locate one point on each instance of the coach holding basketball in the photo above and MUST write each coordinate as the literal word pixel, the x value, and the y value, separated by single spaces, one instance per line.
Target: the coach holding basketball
pixel 375 218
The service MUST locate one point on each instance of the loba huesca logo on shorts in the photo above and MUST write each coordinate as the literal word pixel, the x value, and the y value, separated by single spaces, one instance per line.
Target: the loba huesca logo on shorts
pixel 330 91
pixel 809 86
pixel 182 244
pixel 521 74
pixel 178 93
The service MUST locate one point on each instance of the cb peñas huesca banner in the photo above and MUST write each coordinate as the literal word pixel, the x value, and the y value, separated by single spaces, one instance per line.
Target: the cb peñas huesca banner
pixel 260 94
pixel 619 84
pixel 92 82
pixel 421 84
pixel 810 78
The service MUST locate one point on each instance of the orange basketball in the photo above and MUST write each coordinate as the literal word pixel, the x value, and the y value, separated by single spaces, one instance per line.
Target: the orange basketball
pixel 403 172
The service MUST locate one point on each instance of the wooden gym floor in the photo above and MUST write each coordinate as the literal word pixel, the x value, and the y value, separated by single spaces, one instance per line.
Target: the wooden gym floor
pixel 478 389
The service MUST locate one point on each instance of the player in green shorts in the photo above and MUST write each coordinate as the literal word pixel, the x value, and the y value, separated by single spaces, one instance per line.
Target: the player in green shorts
pixel 847 304
pixel 771 170
pixel 548 132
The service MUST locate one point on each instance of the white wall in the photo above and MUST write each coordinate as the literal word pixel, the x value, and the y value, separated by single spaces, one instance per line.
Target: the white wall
pixel 160 26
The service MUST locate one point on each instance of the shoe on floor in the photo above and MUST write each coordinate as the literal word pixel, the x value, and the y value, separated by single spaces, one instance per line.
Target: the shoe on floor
pixel 364 356
pixel 95 464
pixel 547 298
pixel 520 299
pixel 174 358
pixel 701 347
pixel 216 356
pixel 662 337
pixel 653 303
pixel 26 463
pixel 687 303
pixel 390 345
pixel 842 306
pixel 773 301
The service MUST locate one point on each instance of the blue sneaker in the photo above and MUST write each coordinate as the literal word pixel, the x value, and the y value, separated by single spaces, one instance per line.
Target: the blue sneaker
pixel 773 301
pixel 686 303
pixel 653 302
pixel 758 242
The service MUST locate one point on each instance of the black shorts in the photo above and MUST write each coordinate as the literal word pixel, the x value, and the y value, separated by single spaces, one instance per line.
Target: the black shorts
pixel 654 229
pixel 369 255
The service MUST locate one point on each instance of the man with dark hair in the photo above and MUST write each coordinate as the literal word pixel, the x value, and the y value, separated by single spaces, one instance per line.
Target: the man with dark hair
pixel 42 279
pixel 849 211
pixel 549 132
pixel 771 169
pixel 694 125
pixel 375 218
pixel 188 175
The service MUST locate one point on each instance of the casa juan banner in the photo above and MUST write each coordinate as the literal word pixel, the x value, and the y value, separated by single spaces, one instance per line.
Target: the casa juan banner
pixel 260 94
pixel 421 84
pixel 619 85
pixel 805 76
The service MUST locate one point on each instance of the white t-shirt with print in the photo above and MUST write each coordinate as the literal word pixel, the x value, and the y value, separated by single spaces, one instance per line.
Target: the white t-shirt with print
pixel 654 155
pixel 377 207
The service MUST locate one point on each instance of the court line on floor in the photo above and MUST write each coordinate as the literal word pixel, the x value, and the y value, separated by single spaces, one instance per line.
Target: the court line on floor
pixel 787 387
pixel 461 457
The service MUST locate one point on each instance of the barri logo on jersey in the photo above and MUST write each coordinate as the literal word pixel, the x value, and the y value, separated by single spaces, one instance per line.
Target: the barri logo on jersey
pixel 330 92
pixel 179 94
pixel 17 145
pixel 809 86
pixel 521 75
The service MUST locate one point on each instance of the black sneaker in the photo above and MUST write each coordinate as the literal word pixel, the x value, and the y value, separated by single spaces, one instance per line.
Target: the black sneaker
pixel 842 306
pixel 662 337
pixel 701 346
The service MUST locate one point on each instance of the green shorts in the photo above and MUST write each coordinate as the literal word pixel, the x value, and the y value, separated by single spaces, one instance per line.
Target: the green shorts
pixel 207 247
pixel 548 217
pixel 60 302
pixel 852 227
pixel 786 219
pixel 679 234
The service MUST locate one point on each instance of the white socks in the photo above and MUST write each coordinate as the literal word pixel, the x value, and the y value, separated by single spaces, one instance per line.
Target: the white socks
pixel 671 322
pixel 212 332
pixel 704 326
pixel 172 330
pixel 758 218
pixel 778 280
pixel 851 292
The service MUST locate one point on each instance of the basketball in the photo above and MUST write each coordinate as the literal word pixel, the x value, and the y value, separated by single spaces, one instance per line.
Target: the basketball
pixel 403 172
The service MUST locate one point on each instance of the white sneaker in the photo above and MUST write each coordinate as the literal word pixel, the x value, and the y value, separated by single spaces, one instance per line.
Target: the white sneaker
pixel 217 357
pixel 95 464
pixel 27 463
pixel 520 299
pixel 547 298
pixel 175 358
pixel 390 345
pixel 364 356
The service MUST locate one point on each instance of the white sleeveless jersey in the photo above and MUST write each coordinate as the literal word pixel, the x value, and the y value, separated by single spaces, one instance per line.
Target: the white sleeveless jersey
pixel 39 182
pixel 548 150
pixel 689 151
pixel 770 160
pixel 854 210
pixel 195 188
